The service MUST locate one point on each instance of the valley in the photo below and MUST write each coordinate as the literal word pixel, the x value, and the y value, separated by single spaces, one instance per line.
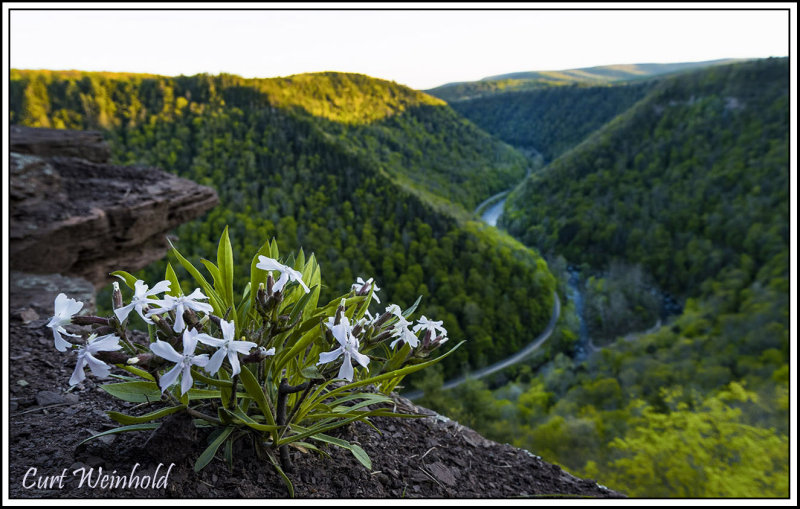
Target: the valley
pixel 606 189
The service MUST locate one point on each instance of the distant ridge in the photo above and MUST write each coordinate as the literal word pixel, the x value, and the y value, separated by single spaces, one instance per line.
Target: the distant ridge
pixel 616 72
pixel 586 76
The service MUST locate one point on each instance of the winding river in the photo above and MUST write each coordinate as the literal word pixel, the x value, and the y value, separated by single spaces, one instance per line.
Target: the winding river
pixel 490 210
pixel 490 216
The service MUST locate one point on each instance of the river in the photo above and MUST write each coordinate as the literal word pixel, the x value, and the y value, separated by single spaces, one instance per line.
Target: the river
pixel 490 216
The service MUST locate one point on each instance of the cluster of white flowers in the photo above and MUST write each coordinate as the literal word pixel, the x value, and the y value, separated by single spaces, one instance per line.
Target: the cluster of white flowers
pixel 146 303
pixel 349 342
pixel 66 308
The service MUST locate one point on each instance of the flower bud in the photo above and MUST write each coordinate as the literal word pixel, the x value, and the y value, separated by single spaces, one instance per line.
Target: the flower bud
pixel 116 296
pixel 426 341
pixel 90 320
pixel 339 312
pixel 270 283
pixel 383 319
pixel 261 295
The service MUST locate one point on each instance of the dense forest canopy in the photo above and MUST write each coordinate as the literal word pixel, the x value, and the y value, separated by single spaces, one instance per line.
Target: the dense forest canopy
pixel 551 120
pixel 374 190
pixel 691 184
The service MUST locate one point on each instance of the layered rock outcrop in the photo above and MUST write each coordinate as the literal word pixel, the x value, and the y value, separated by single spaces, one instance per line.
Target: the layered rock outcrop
pixel 73 213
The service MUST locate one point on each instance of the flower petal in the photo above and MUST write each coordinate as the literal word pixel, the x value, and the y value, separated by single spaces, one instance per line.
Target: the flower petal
pixel 228 329
pixel 165 350
pixel 169 378
pixel 186 379
pixel 279 284
pixel 210 341
pixel 62 345
pixel 78 375
pixel 107 343
pixel 200 360
pixel 242 347
pixel 331 356
pixel 160 287
pixel 200 306
pixel 233 358
pixel 123 312
pixel 179 324
pixel 346 371
pixel 71 306
pixel 265 263
pixel 216 361
pixel 360 358
pixel 189 341
pixel 99 368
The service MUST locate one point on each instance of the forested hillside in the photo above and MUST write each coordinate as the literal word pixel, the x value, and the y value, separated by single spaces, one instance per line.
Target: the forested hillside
pixel 685 183
pixel 550 120
pixel 363 185
pixel 691 184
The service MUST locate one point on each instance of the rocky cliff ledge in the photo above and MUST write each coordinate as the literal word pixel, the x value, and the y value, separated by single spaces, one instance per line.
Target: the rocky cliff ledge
pixel 73 213
pixel 428 457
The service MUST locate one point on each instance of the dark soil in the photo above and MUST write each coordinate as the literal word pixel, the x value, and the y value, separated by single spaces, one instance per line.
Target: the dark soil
pixel 429 457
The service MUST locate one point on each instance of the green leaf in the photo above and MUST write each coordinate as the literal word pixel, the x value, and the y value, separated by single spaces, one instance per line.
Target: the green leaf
pixel 311 373
pixel 210 394
pixel 357 451
pixel 301 304
pixel 134 392
pixel 280 471
pixel 124 429
pixel 298 347
pixel 254 390
pixel 174 284
pixel 136 371
pixel 413 308
pixel 240 417
pixel 197 375
pixel 129 279
pixel 320 428
pixel 131 419
pixel 392 374
pixel 225 264
pixel 213 297
pixel 211 450
pixel 214 271
pixel 222 374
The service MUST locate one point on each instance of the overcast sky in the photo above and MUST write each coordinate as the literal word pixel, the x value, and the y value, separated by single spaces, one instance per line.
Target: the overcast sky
pixel 419 48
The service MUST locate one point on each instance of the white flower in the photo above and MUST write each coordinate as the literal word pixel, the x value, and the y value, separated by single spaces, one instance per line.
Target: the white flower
pixel 287 273
pixel 430 325
pixel 183 363
pixel 142 297
pixel 365 320
pixel 179 304
pixel 348 347
pixel 395 310
pixel 107 343
pixel 404 334
pixel 228 347
pixel 360 283
pixel 65 308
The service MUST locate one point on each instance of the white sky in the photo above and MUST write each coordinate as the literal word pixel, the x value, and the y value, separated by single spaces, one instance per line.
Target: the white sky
pixel 419 48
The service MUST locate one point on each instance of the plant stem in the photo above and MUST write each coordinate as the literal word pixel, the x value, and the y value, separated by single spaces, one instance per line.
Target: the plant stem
pixel 284 389
pixel 232 402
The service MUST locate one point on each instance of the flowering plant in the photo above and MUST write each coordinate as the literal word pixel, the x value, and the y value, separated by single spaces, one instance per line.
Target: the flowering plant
pixel 269 363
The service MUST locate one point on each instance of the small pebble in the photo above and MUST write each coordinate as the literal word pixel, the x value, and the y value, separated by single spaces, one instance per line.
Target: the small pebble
pixel 47 398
